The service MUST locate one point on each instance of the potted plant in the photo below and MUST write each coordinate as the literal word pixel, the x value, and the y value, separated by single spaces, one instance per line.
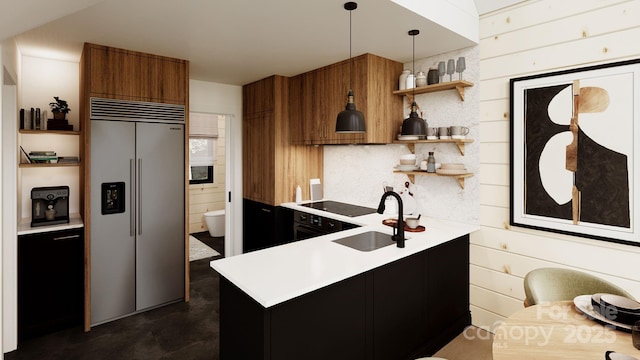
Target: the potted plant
pixel 59 108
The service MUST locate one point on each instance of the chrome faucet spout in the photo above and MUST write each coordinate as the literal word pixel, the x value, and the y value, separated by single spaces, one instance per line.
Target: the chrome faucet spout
pixel 399 237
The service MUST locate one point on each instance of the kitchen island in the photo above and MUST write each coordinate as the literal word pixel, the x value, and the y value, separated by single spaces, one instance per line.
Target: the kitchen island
pixel 316 299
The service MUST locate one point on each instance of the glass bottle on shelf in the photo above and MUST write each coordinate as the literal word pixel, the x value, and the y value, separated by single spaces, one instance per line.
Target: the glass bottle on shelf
pixel 431 163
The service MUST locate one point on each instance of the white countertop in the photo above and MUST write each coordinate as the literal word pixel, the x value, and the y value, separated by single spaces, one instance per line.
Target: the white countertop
pixel 75 221
pixel 280 273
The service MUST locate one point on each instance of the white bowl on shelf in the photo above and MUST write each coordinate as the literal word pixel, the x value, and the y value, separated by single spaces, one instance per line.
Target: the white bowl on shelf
pixel 408 159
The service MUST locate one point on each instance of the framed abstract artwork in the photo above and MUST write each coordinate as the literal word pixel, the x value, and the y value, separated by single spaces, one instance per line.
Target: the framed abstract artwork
pixel 575 149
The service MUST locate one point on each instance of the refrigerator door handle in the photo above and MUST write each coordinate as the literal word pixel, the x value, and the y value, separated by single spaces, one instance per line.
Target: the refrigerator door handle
pixel 139 197
pixel 132 216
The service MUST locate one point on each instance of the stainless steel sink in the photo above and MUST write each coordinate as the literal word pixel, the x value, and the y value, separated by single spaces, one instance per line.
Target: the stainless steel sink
pixel 367 241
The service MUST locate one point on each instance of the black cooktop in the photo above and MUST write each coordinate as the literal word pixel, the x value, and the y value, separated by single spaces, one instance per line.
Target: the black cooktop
pixel 340 208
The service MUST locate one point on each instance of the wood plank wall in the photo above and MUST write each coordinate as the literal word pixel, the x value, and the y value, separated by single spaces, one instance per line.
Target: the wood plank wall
pixel 532 37
pixel 209 197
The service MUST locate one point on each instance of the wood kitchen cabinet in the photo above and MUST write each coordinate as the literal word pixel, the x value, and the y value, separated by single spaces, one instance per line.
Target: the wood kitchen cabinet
pixel 319 95
pixel 258 160
pixel 130 75
pixel 406 309
pixel 272 166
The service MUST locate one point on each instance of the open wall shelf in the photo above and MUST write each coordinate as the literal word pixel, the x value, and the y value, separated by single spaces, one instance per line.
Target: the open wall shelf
pixel 458 85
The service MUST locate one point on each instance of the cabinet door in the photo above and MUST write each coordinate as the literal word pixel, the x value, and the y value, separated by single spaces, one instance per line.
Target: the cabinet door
pixel 297 120
pixel 50 282
pixel 327 90
pixel 258 96
pixel 399 313
pixel 259 225
pixel 168 80
pixel 117 73
pixel 382 110
pixel 258 158
pixel 329 323
pixel 447 272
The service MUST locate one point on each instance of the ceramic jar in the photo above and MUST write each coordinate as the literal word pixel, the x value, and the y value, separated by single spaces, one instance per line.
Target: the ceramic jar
pixel 432 75
pixel 411 81
pixel 421 79
pixel 402 83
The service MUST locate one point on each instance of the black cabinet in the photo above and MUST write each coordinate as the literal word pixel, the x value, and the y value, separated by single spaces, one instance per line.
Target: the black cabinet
pixel 399 301
pixel 446 267
pixel 315 327
pixel 50 282
pixel 406 309
pixel 265 225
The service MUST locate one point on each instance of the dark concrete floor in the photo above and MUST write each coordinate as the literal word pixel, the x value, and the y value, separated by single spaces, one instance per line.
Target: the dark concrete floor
pixel 184 330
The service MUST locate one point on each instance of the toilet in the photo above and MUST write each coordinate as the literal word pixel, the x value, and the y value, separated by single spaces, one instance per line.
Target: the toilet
pixel 215 222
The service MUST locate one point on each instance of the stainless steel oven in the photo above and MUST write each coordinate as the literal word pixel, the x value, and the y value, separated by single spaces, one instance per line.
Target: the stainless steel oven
pixel 307 225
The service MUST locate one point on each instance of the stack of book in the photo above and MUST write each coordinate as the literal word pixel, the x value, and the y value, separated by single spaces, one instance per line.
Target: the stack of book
pixel 42 157
pixel 68 160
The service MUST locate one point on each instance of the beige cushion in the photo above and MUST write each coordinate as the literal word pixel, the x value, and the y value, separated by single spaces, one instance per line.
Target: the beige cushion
pixel 554 284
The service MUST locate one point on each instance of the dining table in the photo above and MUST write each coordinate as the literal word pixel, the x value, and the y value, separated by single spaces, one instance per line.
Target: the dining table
pixel 559 330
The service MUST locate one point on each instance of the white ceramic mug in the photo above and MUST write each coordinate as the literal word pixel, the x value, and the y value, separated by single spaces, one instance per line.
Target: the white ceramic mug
pixel 432 131
pixel 443 131
pixel 458 130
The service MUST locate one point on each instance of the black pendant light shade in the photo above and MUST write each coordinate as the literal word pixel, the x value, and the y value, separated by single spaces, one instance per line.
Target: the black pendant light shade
pixel 414 125
pixel 350 120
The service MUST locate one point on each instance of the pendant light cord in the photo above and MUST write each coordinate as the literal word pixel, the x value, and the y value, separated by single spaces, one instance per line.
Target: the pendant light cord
pixel 413 34
pixel 350 59
pixel 414 67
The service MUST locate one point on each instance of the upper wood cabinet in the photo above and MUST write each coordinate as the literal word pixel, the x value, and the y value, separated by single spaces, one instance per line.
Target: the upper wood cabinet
pixel 272 166
pixel 316 98
pixel 130 75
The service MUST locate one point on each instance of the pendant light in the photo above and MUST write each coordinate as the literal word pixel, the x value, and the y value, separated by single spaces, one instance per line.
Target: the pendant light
pixel 414 125
pixel 350 120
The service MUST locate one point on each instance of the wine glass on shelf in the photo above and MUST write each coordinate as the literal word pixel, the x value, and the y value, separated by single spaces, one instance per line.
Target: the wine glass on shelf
pixel 441 71
pixel 460 66
pixel 451 68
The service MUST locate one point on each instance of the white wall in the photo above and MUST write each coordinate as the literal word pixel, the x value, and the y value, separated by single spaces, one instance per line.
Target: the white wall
pixel 530 38
pixel 8 215
pixel 356 173
pixel 226 99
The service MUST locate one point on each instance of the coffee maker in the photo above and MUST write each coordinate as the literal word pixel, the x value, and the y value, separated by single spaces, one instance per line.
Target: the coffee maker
pixel 49 205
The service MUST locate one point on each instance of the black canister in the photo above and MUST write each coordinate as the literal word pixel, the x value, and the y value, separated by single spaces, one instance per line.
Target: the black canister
pixel 432 76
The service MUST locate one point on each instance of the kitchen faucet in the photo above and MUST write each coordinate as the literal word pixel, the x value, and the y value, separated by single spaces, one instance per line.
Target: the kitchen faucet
pixel 399 236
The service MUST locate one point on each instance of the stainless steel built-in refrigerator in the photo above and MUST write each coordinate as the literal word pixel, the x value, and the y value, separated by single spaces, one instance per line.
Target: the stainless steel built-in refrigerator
pixel 137 180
